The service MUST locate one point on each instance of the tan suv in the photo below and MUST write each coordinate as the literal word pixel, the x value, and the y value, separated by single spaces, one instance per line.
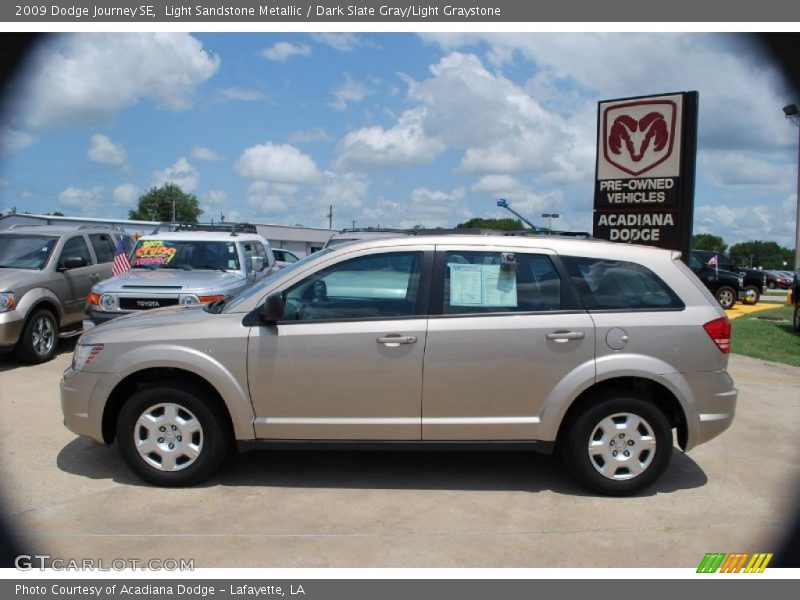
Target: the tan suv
pixel 598 350
pixel 45 274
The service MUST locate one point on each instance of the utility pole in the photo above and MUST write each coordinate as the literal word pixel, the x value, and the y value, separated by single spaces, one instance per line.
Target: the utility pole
pixel 330 216
pixel 793 114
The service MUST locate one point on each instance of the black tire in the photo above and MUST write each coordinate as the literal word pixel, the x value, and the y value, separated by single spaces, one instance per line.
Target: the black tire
pixel 213 443
pixel 30 348
pixel 796 319
pixel 753 292
pixel 587 426
pixel 726 296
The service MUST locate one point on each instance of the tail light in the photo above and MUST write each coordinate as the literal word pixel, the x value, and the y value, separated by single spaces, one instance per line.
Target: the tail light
pixel 719 330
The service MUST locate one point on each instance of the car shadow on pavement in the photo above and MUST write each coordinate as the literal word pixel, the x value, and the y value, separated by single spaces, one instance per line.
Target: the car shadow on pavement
pixel 9 362
pixel 453 470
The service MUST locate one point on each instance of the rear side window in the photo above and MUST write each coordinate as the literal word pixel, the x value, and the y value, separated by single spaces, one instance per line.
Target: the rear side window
pixel 619 285
pixel 492 282
pixel 103 247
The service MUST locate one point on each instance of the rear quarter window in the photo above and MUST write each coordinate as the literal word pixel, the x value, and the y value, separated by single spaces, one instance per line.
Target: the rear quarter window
pixel 619 285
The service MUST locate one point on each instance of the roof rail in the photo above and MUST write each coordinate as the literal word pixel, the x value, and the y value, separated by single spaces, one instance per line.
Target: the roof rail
pixel 19 225
pixel 378 230
pixel 101 226
pixel 234 228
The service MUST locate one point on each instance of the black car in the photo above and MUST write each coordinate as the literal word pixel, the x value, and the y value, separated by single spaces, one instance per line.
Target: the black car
pixel 725 286
pixel 796 299
pixel 753 282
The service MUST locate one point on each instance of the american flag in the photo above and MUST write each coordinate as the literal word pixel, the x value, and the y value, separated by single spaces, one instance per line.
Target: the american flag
pixel 121 262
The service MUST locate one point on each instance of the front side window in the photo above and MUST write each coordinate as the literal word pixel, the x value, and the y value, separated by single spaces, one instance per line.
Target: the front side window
pixel 188 255
pixel 619 285
pixel 492 282
pixel 75 247
pixel 25 251
pixel 377 286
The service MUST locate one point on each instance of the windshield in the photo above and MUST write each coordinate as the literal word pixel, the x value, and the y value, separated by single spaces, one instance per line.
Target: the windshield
pixel 185 254
pixel 256 289
pixel 25 251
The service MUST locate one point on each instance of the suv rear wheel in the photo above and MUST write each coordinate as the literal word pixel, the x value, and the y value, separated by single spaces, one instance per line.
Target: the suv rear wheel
pixel 752 295
pixel 726 296
pixel 172 436
pixel 619 445
pixel 39 338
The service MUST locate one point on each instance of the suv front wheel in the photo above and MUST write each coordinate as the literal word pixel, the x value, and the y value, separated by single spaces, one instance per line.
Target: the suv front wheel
pixel 619 445
pixel 39 338
pixel 172 435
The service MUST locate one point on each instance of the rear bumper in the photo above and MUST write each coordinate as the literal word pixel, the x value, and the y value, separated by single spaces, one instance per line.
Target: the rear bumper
pixel 709 403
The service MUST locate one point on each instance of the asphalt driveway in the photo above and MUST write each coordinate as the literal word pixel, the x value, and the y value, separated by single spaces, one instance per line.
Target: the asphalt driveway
pixel 73 499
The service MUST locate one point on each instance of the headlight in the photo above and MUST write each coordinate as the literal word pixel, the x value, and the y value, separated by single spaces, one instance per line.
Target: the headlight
pixel 108 302
pixel 186 300
pixel 85 355
pixel 7 302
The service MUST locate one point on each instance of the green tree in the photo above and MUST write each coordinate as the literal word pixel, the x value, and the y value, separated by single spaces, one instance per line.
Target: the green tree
pixel 157 204
pixel 757 253
pixel 501 224
pixel 707 241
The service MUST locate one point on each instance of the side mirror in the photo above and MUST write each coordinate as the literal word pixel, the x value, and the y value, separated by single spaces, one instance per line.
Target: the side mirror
pixel 272 310
pixel 72 262
pixel 257 263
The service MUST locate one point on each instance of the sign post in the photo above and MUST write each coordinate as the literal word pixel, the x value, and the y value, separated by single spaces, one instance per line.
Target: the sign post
pixel 644 184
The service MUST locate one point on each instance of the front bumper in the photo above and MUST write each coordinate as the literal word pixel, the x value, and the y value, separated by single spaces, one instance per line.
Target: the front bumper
pixel 83 396
pixel 98 317
pixel 710 404
pixel 11 325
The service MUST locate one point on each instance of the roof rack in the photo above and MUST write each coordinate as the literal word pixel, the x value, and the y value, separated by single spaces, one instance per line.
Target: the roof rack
pixel 233 228
pixel 378 230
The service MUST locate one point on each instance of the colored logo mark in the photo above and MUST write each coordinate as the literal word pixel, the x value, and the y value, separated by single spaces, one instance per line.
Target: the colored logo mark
pixel 719 562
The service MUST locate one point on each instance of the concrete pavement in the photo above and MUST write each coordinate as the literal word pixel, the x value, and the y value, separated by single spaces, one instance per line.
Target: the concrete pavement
pixel 74 499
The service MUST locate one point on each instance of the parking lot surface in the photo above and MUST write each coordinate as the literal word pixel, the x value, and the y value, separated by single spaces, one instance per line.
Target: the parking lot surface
pixel 73 499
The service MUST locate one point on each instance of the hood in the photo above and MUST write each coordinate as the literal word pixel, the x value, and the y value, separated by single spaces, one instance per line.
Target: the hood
pixel 169 279
pixel 13 279
pixel 157 320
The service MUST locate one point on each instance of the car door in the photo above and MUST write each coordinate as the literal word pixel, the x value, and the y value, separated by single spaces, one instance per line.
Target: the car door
pixel 79 281
pixel 104 248
pixel 505 333
pixel 346 361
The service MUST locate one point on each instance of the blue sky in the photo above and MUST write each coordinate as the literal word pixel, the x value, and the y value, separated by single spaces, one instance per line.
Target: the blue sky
pixel 392 129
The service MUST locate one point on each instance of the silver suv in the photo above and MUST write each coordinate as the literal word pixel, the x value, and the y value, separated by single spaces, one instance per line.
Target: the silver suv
pixel 182 268
pixel 595 349
pixel 45 274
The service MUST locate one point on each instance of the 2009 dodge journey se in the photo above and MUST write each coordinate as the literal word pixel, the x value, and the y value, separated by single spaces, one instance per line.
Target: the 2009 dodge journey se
pixel 594 349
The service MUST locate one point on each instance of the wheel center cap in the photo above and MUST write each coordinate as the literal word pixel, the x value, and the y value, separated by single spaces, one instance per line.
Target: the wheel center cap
pixel 170 436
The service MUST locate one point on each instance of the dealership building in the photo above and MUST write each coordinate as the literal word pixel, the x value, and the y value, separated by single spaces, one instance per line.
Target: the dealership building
pixel 300 240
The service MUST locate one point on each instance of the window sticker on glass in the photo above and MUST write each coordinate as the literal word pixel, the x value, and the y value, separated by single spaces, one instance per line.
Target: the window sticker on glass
pixel 155 252
pixel 482 285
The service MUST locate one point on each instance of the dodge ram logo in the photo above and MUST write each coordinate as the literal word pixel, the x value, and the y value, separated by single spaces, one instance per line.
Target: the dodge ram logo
pixel 638 136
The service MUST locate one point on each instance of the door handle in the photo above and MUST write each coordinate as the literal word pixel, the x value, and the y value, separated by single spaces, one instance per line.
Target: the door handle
pixel 393 341
pixel 94 277
pixel 561 337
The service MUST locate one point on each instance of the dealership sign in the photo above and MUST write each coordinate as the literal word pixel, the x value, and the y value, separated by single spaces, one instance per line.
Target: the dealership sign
pixel 644 188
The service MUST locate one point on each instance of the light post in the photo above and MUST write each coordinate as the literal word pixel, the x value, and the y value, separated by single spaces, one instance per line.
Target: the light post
pixel 550 216
pixel 793 115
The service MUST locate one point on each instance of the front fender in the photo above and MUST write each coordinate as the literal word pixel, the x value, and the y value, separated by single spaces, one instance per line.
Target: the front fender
pixel 37 295
pixel 204 365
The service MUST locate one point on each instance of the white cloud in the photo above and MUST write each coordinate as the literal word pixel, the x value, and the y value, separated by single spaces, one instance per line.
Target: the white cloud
pixel 344 42
pixel 126 195
pixel 203 153
pixel 280 163
pixel 349 90
pixel 238 94
pixel 735 169
pixel 348 192
pixel 495 184
pixel 86 79
pixel 13 140
pixel 282 51
pixel 182 174
pixel 309 136
pixel 103 150
pixel 752 221
pixel 87 200
pixel 405 144
pixel 431 208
